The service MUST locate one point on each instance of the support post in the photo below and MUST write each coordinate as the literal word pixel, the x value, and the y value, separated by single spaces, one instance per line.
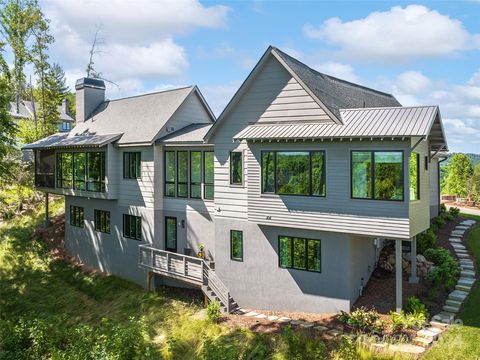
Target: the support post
pixel 413 254
pixel 398 274
pixel 47 216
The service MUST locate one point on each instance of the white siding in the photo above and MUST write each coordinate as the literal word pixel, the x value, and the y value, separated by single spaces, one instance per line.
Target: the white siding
pixel 434 189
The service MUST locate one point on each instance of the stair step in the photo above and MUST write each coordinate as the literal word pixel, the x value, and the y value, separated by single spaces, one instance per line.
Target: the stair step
pixel 467 267
pixel 422 341
pixel 463 288
pixel 466 281
pixel 468 274
pixel 455 303
pixel 438 325
pixel 452 309
pixel 427 334
pixel 458 295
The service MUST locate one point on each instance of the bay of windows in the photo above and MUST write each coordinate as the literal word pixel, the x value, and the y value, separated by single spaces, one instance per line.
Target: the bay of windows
pixel 81 171
pixel 294 173
pixel 184 172
pixel 377 175
pixel 414 172
pixel 299 253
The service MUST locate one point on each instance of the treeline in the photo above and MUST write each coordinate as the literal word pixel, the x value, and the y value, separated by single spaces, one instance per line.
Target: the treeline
pixel 25 40
pixel 461 178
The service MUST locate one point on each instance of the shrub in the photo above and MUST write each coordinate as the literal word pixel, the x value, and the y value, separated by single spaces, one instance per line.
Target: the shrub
pixel 404 320
pixel 363 319
pixel 447 216
pixel 425 241
pixel 447 270
pixel 454 211
pixel 443 208
pixel 299 347
pixel 414 305
pixel 438 221
pixel 213 311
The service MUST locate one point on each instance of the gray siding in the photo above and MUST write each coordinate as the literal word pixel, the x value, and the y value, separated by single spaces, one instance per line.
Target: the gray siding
pixel 362 263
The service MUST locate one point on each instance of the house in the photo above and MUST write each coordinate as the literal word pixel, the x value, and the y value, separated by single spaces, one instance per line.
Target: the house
pixel 25 110
pixel 287 198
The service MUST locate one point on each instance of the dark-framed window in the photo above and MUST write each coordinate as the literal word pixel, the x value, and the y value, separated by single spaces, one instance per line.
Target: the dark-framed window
pixel 65 170
pixel 132 227
pixel 236 245
pixel 414 178
pixel 96 171
pixel 208 174
pixel 77 216
pixel 170 233
pixel 182 174
pixel 102 221
pixel 132 162
pixel 377 175
pixel 170 171
pixel 196 174
pixel 426 163
pixel 79 170
pixel 294 172
pixel 299 253
pixel 236 168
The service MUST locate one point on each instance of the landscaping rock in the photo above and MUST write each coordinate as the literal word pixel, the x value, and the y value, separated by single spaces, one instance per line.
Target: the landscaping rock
pixel 438 325
pixel 307 325
pixel 427 334
pixel 422 341
pixel 297 322
pixel 458 295
pixel 251 313
pixel 452 309
pixel 466 281
pixel 454 303
pixel 468 274
pixel 463 288
pixel 320 328
pixel 455 240
pixel 272 318
pixel 466 267
pixel 405 349
pixel 261 316
pixel 284 319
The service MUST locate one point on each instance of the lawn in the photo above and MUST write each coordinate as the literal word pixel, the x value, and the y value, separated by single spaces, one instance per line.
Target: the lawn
pixel 51 310
pixel 463 341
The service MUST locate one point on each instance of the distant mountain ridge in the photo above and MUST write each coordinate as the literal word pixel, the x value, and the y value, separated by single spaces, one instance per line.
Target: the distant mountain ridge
pixel 474 158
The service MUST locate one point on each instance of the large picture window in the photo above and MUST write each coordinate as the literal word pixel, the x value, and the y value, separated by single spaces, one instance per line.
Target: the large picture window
pixel 377 175
pixel 170 173
pixel 236 168
pixel 76 216
pixel 208 164
pixel 65 170
pixel 294 172
pixel 236 245
pixel 132 162
pixel 414 179
pixel 96 171
pixel 132 227
pixel 196 174
pixel 79 170
pixel 102 221
pixel 299 253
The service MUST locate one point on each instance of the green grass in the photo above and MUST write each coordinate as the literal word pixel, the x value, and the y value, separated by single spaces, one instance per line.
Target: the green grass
pixel 51 310
pixel 463 341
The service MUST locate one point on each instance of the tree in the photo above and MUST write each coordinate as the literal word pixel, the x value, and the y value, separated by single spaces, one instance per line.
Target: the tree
pixel 474 184
pixel 459 173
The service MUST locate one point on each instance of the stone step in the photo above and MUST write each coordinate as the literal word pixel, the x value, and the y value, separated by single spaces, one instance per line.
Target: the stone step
pixel 466 281
pixel 321 328
pixel 454 303
pixel 458 246
pixel 438 325
pixel 459 233
pixel 455 240
pixel 463 288
pixel 284 319
pixel 462 227
pixel 444 317
pixel 428 334
pixel 464 256
pixel 435 330
pixel 452 309
pixel 466 261
pixel 468 274
pixel 458 295
pixel 467 267
pixel 422 341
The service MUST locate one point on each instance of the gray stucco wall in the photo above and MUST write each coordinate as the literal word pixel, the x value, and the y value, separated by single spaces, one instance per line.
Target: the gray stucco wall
pixel 258 282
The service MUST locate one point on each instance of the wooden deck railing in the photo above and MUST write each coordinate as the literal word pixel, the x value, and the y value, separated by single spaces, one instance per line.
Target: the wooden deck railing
pixel 187 268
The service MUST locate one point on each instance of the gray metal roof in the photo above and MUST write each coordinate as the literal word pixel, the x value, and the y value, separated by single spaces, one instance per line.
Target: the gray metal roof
pixel 336 93
pixel 358 123
pixel 191 134
pixel 139 118
pixel 62 140
pixel 25 111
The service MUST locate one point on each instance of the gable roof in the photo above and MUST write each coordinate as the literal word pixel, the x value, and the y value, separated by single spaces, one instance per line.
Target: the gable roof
pixel 138 118
pixel 330 93
pixel 25 110
pixel 415 121
pixel 190 134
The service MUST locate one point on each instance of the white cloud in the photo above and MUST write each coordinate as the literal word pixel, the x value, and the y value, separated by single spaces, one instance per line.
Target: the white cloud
pixel 413 82
pixel 397 34
pixel 340 70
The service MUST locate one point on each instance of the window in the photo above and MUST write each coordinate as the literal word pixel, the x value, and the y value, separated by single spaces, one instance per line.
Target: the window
pixel 208 164
pixel 96 171
pixel 196 174
pixel 102 221
pixel 170 173
pixel 294 173
pixel 299 253
pixel 426 163
pixel 377 175
pixel 132 227
pixel 414 176
pixel 132 162
pixel 79 170
pixel 236 168
pixel 171 233
pixel 65 170
pixel 66 125
pixel 236 245
pixel 182 174
pixel 76 216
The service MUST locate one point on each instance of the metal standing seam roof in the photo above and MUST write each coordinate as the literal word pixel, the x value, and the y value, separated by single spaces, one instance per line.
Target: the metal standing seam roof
pixel 364 122
pixel 63 140
pixel 190 134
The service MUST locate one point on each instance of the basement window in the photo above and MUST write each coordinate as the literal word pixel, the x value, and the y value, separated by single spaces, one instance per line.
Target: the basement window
pixel 132 227
pixel 102 221
pixel 77 216
pixel 236 245
pixel 299 253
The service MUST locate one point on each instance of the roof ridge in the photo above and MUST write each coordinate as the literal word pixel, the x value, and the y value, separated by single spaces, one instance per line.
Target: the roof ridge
pixel 152 93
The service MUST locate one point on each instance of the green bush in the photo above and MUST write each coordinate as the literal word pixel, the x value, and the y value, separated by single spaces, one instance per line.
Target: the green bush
pixel 213 311
pixel 443 208
pixel 426 240
pixel 438 221
pixel 447 216
pixel 404 320
pixel 300 347
pixel 363 319
pixel 446 271
pixel 454 211
pixel 414 305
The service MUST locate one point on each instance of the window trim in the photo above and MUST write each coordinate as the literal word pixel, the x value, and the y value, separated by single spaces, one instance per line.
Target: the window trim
pixel 176 234
pixel 242 158
pixel 73 210
pixel 372 174
pixel 138 231
pixel 99 227
pixel 291 238
pixel 310 152
pixel 126 170
pixel 231 246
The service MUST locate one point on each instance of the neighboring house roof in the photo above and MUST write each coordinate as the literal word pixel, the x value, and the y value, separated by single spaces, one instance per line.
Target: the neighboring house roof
pixel 191 134
pixel 63 140
pixel 139 118
pixel 385 122
pixel 330 93
pixel 25 111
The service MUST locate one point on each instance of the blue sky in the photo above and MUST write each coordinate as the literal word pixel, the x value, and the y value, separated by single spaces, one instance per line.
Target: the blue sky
pixel 422 52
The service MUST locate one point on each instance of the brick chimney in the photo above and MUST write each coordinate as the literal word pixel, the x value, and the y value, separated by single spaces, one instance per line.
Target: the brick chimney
pixel 89 94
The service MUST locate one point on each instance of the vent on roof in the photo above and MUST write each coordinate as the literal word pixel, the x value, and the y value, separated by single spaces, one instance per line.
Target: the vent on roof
pixel 170 129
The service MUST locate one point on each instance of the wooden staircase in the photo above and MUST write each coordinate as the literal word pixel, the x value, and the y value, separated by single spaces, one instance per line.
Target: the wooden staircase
pixel 192 270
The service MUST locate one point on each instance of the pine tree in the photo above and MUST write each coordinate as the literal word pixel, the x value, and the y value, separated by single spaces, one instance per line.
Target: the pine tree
pixel 460 171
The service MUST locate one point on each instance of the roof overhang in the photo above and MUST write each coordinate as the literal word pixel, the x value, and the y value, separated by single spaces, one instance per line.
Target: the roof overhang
pixel 63 140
